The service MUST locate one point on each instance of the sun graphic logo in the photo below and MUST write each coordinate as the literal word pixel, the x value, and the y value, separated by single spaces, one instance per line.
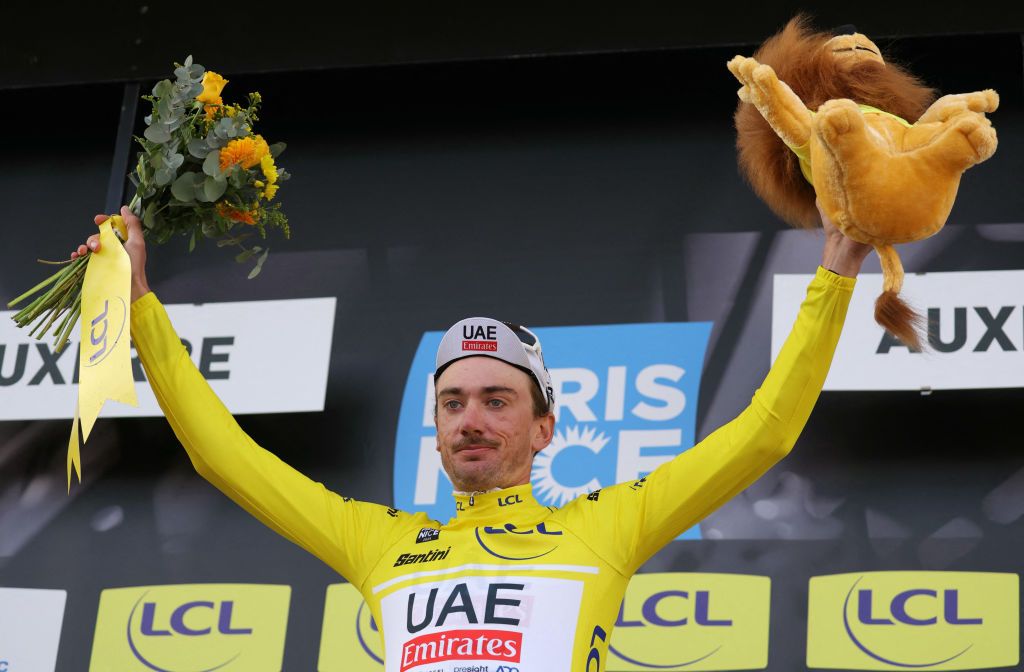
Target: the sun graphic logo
pixel 545 485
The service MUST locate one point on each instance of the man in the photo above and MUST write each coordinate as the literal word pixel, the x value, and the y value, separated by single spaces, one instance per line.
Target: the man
pixel 507 582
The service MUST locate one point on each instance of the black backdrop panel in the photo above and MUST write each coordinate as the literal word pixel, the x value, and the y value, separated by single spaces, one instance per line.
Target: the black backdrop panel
pixel 597 189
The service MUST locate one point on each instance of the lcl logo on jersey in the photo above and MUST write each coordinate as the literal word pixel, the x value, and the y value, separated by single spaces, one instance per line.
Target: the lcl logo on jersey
pixel 626 402
pixel 681 621
pixel 177 628
pixel 509 542
pixel 914 620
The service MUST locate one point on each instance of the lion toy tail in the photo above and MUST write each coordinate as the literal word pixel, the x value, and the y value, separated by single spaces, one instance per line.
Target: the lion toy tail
pixel 892 312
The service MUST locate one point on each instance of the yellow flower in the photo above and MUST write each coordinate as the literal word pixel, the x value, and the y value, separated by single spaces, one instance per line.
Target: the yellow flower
pixel 269 172
pixel 245 151
pixel 213 84
pixel 268 168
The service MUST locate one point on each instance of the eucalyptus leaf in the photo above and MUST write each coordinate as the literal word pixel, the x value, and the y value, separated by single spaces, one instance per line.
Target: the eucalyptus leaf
pixel 247 254
pixel 149 216
pixel 198 148
pixel 163 107
pixel 188 61
pixel 259 264
pixel 156 161
pixel 196 70
pixel 183 188
pixel 157 133
pixel 162 88
pixel 192 241
pixel 164 176
pixel 211 166
pixel 214 188
pixel 175 160
pixel 277 148
pixel 181 74
pixel 196 89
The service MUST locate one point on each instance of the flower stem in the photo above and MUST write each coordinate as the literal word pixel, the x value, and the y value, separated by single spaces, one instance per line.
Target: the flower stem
pixel 62 336
pixel 56 312
pixel 42 285
pixel 73 276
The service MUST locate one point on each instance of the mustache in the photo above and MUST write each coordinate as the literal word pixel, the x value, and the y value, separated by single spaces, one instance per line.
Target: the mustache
pixel 467 441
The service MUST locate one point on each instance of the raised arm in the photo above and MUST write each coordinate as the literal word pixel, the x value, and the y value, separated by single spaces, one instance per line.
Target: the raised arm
pixel 632 521
pixel 346 534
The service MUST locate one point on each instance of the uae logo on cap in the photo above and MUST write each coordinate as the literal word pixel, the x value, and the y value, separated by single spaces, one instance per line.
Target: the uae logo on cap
pixel 478 338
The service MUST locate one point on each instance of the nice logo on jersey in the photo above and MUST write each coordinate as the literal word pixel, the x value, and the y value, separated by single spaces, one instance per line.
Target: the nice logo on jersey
pixel 626 402
pixel 682 621
pixel 188 627
pixel 914 620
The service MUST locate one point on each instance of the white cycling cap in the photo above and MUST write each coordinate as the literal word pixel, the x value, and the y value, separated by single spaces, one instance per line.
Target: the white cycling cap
pixel 486 337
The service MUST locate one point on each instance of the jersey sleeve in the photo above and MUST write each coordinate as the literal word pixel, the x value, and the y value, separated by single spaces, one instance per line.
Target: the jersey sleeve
pixel 346 534
pixel 629 522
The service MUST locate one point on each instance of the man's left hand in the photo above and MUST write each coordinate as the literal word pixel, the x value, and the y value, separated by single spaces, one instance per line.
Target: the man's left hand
pixel 842 255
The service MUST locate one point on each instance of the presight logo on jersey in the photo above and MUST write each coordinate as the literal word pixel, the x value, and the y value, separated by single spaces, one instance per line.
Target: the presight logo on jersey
pixel 626 402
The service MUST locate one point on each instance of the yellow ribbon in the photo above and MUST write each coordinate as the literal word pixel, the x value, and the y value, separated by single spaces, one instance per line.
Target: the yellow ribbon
pixel 105 365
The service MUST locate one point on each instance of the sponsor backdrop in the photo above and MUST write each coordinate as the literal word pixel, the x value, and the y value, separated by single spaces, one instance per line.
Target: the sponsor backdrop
pixel 595 198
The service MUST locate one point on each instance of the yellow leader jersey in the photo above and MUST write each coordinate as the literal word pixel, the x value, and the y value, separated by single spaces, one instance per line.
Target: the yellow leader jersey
pixel 507 583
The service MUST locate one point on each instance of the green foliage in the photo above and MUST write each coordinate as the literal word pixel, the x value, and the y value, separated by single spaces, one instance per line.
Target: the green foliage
pixel 180 188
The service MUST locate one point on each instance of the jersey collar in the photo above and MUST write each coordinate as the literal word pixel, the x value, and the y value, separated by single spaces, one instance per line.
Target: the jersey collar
pixel 503 502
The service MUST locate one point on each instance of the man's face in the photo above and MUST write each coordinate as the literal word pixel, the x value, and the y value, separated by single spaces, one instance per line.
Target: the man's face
pixel 486 430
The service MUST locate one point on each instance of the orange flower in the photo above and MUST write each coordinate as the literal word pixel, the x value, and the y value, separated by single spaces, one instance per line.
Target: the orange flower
pixel 228 212
pixel 212 107
pixel 244 151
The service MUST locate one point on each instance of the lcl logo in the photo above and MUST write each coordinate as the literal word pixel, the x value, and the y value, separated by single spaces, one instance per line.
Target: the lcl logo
pixel 202 615
pixel 678 620
pixel 650 613
pixel 526 544
pixel 950 608
pixel 900 620
pixel 182 627
pixel 653 614
pixel 176 622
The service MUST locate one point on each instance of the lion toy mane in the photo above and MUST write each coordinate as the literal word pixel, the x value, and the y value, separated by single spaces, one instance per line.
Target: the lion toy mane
pixel 824 117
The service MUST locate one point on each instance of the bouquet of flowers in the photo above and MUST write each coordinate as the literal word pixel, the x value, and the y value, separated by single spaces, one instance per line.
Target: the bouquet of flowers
pixel 202 172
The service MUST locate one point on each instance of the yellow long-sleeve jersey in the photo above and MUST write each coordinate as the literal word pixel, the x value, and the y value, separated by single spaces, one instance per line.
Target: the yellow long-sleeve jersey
pixel 507 582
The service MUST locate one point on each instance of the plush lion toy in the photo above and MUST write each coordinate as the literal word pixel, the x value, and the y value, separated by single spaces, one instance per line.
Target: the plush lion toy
pixel 824 116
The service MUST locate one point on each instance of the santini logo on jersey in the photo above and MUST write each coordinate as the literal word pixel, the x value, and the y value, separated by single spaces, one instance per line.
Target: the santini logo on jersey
pixel 416 558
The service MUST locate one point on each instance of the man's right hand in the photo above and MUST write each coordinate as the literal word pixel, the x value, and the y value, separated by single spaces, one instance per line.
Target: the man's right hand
pixel 135 246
